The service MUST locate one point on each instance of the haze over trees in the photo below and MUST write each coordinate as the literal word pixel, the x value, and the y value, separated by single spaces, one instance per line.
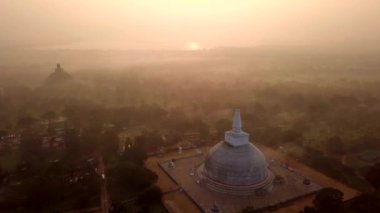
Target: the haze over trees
pixel 319 108
pixel 90 89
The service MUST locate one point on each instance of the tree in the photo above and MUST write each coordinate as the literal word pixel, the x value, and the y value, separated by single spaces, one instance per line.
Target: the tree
pixel 3 133
pixel 154 138
pixel 135 154
pixel 150 196
pixel 39 192
pixel 271 136
pixel 296 101
pixel 49 116
pixel 110 142
pixel 30 147
pixel 129 177
pixel 26 122
pixel 292 136
pixel 91 141
pixel 309 209
pixel 202 127
pixel 249 209
pixel 173 138
pixel 72 117
pixel 328 199
pixel 373 176
pixel 334 145
pixel 222 125
pixel 3 175
pixel 73 143
pixel 366 203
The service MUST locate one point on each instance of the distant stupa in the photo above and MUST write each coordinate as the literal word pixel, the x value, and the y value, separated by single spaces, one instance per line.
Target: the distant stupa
pixel 58 76
pixel 236 166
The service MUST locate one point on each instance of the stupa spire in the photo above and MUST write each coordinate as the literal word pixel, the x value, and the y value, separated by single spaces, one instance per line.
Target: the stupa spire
pixel 236 136
pixel 58 68
pixel 236 124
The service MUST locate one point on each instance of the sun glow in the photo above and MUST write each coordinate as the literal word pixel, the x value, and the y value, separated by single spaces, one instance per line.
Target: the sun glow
pixel 193 46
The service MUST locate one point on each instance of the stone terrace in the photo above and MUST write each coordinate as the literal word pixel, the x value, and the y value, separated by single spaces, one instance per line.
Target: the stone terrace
pixel 184 175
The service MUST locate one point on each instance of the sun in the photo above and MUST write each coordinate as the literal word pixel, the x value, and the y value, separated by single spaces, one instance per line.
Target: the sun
pixel 193 46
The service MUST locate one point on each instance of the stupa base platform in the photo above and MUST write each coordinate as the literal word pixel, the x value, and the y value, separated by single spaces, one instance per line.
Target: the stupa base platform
pixel 261 188
pixel 291 187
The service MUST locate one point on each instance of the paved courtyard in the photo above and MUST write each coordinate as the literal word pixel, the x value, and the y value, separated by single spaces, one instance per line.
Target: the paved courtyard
pixel 176 201
pixel 184 174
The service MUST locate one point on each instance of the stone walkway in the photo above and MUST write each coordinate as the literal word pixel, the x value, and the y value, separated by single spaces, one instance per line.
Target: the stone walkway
pixel 184 175
pixel 178 201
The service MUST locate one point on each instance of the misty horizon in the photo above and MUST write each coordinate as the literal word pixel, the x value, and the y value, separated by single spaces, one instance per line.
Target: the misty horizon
pixel 175 25
pixel 157 106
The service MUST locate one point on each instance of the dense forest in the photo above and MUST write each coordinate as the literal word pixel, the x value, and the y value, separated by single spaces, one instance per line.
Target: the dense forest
pixel 322 109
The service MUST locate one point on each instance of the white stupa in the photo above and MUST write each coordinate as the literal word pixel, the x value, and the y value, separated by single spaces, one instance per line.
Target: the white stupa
pixel 236 166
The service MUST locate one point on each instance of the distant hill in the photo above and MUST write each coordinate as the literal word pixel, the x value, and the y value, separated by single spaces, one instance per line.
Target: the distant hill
pixel 58 76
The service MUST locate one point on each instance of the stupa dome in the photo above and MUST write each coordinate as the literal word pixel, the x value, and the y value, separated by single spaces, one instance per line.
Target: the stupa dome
pixel 235 165
pixel 58 76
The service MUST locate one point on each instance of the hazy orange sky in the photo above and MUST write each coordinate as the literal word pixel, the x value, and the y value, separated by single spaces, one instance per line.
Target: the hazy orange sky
pixel 173 24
